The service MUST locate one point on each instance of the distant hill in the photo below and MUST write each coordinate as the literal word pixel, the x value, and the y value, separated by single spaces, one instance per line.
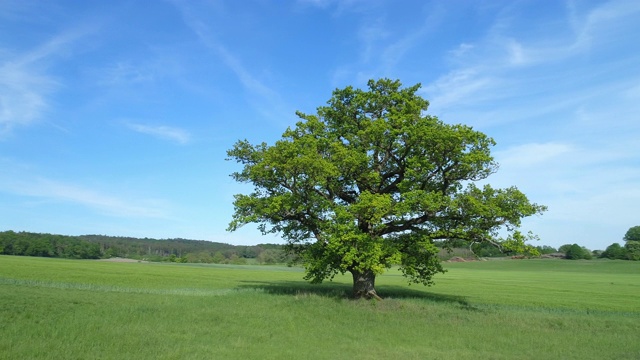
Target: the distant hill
pixel 102 246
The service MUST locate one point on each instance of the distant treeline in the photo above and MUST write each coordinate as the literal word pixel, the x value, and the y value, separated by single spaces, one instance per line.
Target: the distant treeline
pixel 200 251
pixel 101 246
pixel 47 245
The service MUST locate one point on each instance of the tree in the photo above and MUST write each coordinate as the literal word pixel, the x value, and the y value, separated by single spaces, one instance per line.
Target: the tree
pixel 371 181
pixel 218 258
pixel 632 243
pixel 633 234
pixel 576 252
pixel 564 248
pixel 633 250
pixel 614 251
pixel 546 249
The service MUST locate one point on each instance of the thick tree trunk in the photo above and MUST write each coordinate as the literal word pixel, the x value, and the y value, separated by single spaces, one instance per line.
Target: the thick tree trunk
pixel 364 285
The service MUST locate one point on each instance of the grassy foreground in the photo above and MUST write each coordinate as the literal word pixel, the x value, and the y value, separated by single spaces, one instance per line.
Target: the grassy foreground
pixel 529 309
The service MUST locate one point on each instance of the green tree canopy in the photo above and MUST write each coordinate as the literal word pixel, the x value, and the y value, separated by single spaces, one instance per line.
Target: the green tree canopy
pixel 564 248
pixel 633 234
pixel 370 181
pixel 614 251
pixel 633 250
pixel 632 243
pixel 577 252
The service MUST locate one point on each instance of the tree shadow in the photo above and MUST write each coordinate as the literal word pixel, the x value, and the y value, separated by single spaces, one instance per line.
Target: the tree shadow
pixel 339 292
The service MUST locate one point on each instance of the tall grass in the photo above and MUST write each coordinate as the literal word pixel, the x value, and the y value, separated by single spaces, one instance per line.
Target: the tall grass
pixel 65 309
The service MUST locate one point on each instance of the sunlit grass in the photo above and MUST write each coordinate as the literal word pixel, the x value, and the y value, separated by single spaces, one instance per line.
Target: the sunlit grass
pixel 64 309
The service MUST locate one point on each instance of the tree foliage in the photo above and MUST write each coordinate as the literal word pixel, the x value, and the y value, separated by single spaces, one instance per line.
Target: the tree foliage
pixel 577 252
pixel 369 181
pixel 630 250
pixel 614 251
pixel 633 250
pixel 564 248
pixel 101 246
pixel 633 234
pixel 47 245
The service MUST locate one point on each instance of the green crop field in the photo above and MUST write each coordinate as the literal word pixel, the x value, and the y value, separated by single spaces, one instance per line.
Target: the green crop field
pixel 508 309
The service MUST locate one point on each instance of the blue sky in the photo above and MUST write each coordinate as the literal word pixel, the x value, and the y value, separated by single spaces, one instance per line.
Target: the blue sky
pixel 115 116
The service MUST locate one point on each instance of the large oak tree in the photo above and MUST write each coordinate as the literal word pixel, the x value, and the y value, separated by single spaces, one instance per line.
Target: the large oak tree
pixel 371 181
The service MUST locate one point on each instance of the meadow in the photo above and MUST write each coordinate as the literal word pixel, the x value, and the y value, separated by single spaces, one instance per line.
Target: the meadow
pixel 504 309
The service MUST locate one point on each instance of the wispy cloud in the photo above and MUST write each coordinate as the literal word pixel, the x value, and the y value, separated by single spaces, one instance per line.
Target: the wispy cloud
pixel 586 188
pixel 383 45
pixel 23 95
pixel 528 155
pixel 25 85
pixel 263 97
pixel 318 3
pixel 601 22
pixel 109 204
pixel 20 180
pixel 124 72
pixel 394 53
pixel 340 6
pixel 481 69
pixel 205 35
pixel 163 132
pixel 17 9
pixel 459 86
pixel 370 34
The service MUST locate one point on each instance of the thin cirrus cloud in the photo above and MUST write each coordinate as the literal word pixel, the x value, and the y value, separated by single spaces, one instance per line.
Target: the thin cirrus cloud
pixel 24 87
pixel 25 84
pixel 532 154
pixel 265 99
pixel 484 67
pixel 126 73
pixel 63 192
pixel 381 46
pixel 162 132
pixel 204 34
pixel 90 198
pixel 23 95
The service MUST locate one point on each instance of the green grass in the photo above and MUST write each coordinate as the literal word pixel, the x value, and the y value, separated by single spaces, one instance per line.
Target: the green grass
pixel 533 309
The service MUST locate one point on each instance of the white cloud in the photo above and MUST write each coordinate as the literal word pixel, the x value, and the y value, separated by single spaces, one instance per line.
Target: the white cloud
pixel 19 179
pixel 533 154
pixel 481 68
pixel 25 86
pixel 318 3
pixel 109 204
pixel 23 95
pixel 369 35
pixel 202 30
pixel 124 72
pixel 461 50
pixel 382 46
pixel 341 6
pixel 588 189
pixel 264 98
pixel 174 134
pixel 516 53
pixel 603 21
pixel 460 87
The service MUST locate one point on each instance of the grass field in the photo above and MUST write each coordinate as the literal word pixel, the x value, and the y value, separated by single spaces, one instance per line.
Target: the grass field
pixel 527 309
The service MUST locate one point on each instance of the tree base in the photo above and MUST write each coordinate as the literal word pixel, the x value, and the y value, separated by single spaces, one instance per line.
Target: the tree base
pixel 369 295
pixel 364 285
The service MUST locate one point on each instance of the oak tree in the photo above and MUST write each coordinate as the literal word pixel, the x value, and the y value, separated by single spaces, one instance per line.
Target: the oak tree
pixel 372 181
